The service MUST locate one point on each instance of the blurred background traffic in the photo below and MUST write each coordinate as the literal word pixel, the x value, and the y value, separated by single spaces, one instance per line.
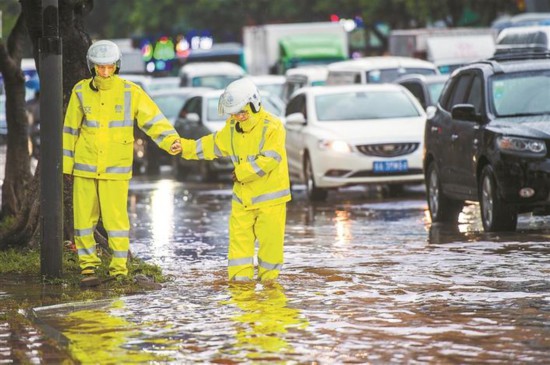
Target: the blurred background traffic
pixel 184 55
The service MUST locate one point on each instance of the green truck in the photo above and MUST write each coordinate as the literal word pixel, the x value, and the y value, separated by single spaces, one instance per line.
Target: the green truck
pixel 275 48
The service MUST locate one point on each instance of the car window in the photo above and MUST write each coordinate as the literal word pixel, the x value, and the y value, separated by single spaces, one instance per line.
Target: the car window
pixel 170 105
pixel 460 90
pixel 193 105
pixel 392 74
pixel 416 89
pixel 435 89
pixel 475 96
pixel 520 93
pixel 365 105
pixel 214 81
pixel 296 105
pixel 212 110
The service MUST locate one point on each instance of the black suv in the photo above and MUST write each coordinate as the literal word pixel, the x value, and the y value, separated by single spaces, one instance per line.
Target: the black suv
pixel 486 140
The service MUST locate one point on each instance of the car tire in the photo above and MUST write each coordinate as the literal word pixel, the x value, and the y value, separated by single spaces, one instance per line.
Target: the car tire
pixel 313 192
pixel 442 209
pixel 496 216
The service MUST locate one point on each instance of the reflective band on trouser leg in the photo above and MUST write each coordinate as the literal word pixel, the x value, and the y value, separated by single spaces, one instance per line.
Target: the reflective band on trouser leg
pixel 270 230
pixel 240 264
pixel 113 197
pixel 85 215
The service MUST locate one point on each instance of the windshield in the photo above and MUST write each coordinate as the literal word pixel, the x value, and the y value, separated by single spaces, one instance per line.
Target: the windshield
pixel 392 74
pixel 215 81
pixel 435 91
pixel 364 105
pixel 518 94
pixel 170 105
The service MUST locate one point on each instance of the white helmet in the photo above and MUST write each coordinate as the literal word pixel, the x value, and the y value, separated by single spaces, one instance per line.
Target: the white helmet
pixel 237 94
pixel 103 53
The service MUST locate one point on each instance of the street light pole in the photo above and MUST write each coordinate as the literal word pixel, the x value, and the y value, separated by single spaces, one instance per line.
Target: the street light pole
pixel 51 125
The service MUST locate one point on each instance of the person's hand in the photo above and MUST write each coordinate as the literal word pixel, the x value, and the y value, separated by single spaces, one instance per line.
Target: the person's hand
pixel 175 148
pixel 234 176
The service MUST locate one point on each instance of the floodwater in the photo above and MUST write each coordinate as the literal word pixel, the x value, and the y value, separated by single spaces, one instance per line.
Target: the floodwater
pixel 367 279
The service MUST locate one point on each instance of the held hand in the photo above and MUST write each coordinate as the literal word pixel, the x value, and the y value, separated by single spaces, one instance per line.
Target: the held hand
pixel 176 147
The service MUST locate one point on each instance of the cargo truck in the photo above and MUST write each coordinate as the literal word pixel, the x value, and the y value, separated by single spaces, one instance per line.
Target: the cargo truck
pixel 275 48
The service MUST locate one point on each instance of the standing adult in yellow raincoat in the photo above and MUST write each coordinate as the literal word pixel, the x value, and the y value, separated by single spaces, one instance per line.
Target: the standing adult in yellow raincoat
pixel 98 145
pixel 254 139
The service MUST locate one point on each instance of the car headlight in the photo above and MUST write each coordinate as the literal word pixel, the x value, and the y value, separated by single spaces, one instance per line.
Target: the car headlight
pixel 521 145
pixel 335 146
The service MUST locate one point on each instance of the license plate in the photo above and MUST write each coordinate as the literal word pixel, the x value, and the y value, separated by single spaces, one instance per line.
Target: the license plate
pixel 390 166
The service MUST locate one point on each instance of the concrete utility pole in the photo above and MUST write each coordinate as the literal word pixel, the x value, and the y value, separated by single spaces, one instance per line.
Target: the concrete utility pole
pixel 51 117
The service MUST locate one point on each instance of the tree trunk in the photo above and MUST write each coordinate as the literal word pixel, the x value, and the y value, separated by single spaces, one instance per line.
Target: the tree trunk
pixel 18 171
pixel 75 41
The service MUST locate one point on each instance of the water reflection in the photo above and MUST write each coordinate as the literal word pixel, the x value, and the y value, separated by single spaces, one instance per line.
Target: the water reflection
pixel 100 336
pixel 162 214
pixel 262 321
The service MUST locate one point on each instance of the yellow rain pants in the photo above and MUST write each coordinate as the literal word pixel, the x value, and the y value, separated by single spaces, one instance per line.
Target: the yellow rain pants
pixel 265 224
pixel 92 197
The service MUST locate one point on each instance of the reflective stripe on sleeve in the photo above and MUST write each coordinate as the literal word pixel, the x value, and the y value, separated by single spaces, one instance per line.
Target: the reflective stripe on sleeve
pixel 164 135
pixel 198 150
pixel 257 169
pixel 272 154
pixel 68 153
pixel 150 123
pixel 69 130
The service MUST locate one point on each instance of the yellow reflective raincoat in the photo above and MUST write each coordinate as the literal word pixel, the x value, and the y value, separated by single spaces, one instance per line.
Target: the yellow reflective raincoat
pixel 257 149
pixel 98 146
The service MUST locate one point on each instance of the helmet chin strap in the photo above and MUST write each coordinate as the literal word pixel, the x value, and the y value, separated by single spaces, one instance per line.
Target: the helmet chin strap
pixel 92 86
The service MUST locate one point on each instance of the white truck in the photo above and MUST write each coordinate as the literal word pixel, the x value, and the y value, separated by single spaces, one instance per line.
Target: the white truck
pixel 447 48
pixel 275 48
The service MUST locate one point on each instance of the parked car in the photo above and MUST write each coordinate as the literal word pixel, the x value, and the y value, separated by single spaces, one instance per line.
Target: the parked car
pixel 216 75
pixel 376 70
pixel 163 83
pixel 273 84
pixel 354 134
pixel 170 102
pixel 199 117
pixel 426 88
pixel 487 142
pixel 295 78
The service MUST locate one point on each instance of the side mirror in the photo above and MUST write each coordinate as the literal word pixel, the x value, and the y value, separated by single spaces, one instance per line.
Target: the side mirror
pixel 193 118
pixel 430 111
pixel 465 112
pixel 295 119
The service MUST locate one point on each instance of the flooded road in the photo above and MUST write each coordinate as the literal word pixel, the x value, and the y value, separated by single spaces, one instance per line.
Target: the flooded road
pixel 367 279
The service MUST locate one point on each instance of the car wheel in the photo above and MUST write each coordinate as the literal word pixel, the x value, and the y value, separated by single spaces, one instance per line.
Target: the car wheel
pixel 442 209
pixel 313 192
pixel 496 216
